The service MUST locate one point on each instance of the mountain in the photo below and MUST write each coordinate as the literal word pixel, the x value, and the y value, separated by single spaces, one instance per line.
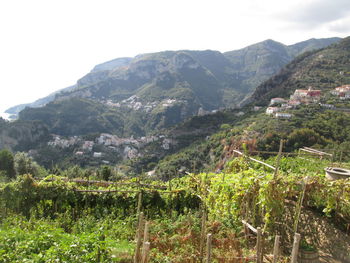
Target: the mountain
pixel 321 69
pixel 309 45
pixel 183 75
pixel 162 89
pixel 112 64
pixel 38 103
pixel 323 125
pixel 226 78
pixel 150 105
pixel 257 63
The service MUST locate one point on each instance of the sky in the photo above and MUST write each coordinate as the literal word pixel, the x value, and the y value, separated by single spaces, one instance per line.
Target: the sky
pixel 47 45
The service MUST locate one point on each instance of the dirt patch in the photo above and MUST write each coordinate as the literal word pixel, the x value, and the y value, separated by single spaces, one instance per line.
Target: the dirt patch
pixel 333 244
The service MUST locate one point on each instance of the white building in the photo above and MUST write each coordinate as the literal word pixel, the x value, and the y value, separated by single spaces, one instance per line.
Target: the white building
pixel 277 101
pixel 87 145
pixel 97 155
pixel 272 110
pixel 283 115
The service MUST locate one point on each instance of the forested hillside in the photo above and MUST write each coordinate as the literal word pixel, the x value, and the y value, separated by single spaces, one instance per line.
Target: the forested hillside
pixel 322 69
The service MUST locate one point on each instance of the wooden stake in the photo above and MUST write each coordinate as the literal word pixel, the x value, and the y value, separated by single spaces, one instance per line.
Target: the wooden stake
pixel 139 204
pixel 278 159
pixel 202 238
pixel 145 252
pixel 138 212
pixel 298 207
pixel 139 239
pixel 276 249
pixel 209 238
pixel 295 250
pixel 341 156
pixel 259 246
pixel 246 233
pixel 146 232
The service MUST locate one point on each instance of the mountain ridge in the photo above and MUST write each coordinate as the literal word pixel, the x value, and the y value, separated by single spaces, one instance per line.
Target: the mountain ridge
pixel 163 126
pixel 242 77
pixel 322 69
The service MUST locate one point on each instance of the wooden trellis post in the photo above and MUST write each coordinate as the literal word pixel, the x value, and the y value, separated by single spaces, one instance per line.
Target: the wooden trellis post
pixel 139 239
pixel 299 206
pixel 145 253
pixel 259 248
pixel 139 203
pixel 138 212
pixel 259 241
pixel 295 250
pixel 208 254
pixel 202 236
pixel 276 249
pixel 278 159
pixel 146 244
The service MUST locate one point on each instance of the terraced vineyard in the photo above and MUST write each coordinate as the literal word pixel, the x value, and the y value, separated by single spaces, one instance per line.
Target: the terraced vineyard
pixel 59 220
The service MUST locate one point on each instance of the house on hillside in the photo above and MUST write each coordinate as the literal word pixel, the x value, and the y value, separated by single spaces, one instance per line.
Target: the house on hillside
pixel 286 106
pixel 343 92
pixel 294 103
pixel 306 96
pixel 283 115
pixel 272 110
pixel 97 155
pixel 88 145
pixel 327 106
pixel 275 101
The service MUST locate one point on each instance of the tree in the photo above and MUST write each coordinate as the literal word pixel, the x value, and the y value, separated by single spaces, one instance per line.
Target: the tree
pixel 106 172
pixel 270 142
pixel 25 165
pixel 304 137
pixel 7 163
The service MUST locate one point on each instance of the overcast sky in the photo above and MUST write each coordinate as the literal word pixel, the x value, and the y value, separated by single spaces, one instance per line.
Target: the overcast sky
pixel 47 45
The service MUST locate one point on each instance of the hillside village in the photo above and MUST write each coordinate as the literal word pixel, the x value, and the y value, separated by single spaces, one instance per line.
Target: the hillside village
pixel 130 148
pixel 106 143
pixel 135 103
pixel 281 108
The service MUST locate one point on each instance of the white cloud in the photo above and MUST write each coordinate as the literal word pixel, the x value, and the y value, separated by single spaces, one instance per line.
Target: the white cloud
pixel 311 14
pixel 340 26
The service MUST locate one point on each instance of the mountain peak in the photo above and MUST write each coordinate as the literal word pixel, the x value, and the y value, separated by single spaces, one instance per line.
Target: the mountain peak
pixel 271 42
pixel 112 64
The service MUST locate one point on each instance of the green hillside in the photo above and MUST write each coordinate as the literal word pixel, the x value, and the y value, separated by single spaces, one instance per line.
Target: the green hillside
pixel 310 125
pixel 22 135
pixel 157 95
pixel 322 69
